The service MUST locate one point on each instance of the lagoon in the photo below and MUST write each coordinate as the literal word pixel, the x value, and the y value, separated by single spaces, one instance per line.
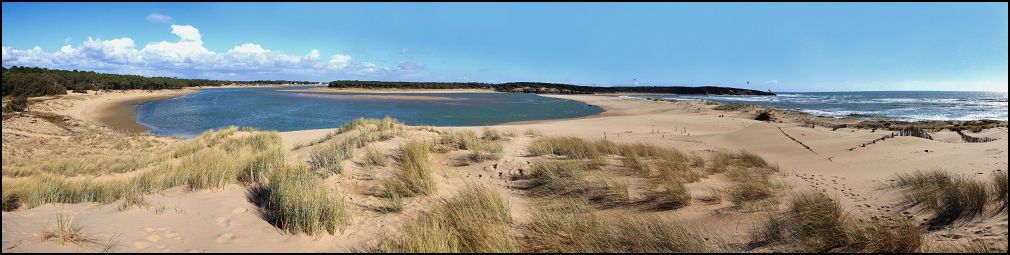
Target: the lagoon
pixel 288 109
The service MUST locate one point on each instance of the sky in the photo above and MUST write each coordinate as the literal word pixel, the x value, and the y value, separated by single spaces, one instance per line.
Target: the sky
pixel 794 47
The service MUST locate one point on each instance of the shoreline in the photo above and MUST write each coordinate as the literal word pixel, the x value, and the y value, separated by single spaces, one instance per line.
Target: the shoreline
pixel 119 111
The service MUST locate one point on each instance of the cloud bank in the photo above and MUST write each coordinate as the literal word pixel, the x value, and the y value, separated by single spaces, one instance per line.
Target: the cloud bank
pixel 188 58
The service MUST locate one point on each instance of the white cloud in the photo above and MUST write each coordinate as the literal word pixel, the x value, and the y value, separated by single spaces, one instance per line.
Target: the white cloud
pixel 188 57
pixel 159 18
pixel 772 82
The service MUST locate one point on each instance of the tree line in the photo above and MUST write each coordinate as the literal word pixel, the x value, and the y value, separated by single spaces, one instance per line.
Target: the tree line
pixel 544 88
pixel 21 81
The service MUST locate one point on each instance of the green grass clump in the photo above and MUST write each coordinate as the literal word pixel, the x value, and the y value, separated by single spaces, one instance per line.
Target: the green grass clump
pixel 296 201
pixel 374 157
pixel 814 222
pixel 491 134
pixel 999 191
pixel 567 178
pixel 417 171
pixel 571 147
pixel 750 186
pixel 950 197
pixel 329 157
pixel 459 139
pixel 68 230
pixel 724 161
pixel 533 133
pixel 570 225
pixel 218 160
pixel 486 151
pixel 669 193
pixel 476 219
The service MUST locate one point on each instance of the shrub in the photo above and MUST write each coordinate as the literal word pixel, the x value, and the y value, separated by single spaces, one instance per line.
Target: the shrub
pixel 18 104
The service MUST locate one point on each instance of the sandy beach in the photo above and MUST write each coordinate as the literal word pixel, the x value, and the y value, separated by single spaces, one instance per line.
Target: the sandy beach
pixel 811 159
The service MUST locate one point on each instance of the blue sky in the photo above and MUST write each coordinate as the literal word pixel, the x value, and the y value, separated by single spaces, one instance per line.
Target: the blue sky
pixel 783 47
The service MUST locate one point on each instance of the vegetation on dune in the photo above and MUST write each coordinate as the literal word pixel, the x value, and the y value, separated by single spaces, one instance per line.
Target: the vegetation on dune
pixel 296 200
pixel 570 225
pixel 215 160
pixel 488 146
pixel 374 157
pixel 814 222
pixel 999 190
pixel 475 219
pixel 416 176
pixel 18 104
pixel 950 197
pixel 330 156
pixel 68 230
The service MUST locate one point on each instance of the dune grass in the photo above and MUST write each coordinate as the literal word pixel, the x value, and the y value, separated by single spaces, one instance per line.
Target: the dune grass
pixel 374 157
pixel 998 188
pixel 533 133
pixel 669 193
pixel 570 225
pixel 949 197
pixel 550 178
pixel 570 147
pixel 219 160
pixel 975 246
pixel 417 171
pixel 296 201
pixel 750 187
pixel 68 230
pixel 459 139
pixel 488 150
pixel 814 222
pixel 330 156
pixel 491 134
pixel 475 219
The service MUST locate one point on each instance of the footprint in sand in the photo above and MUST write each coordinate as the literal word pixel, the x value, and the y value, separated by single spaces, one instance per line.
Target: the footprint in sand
pixel 172 235
pixel 140 245
pixel 153 238
pixel 225 238
pixel 239 210
pixel 222 221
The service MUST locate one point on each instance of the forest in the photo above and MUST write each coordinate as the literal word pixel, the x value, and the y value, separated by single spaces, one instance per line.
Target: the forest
pixel 546 88
pixel 34 81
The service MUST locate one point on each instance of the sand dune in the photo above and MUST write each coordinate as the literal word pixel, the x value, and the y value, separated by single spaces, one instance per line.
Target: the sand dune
pixel 809 158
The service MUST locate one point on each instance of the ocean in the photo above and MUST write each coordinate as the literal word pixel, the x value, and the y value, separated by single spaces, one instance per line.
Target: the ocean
pixel 897 105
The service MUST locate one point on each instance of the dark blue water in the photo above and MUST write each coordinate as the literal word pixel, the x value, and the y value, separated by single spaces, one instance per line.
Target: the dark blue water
pixel 276 109
pixel 899 105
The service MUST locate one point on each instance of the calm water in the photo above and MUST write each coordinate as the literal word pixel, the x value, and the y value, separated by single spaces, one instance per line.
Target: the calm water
pixel 274 109
pixel 902 105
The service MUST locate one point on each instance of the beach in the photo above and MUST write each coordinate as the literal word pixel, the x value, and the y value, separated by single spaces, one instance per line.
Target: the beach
pixel 834 161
